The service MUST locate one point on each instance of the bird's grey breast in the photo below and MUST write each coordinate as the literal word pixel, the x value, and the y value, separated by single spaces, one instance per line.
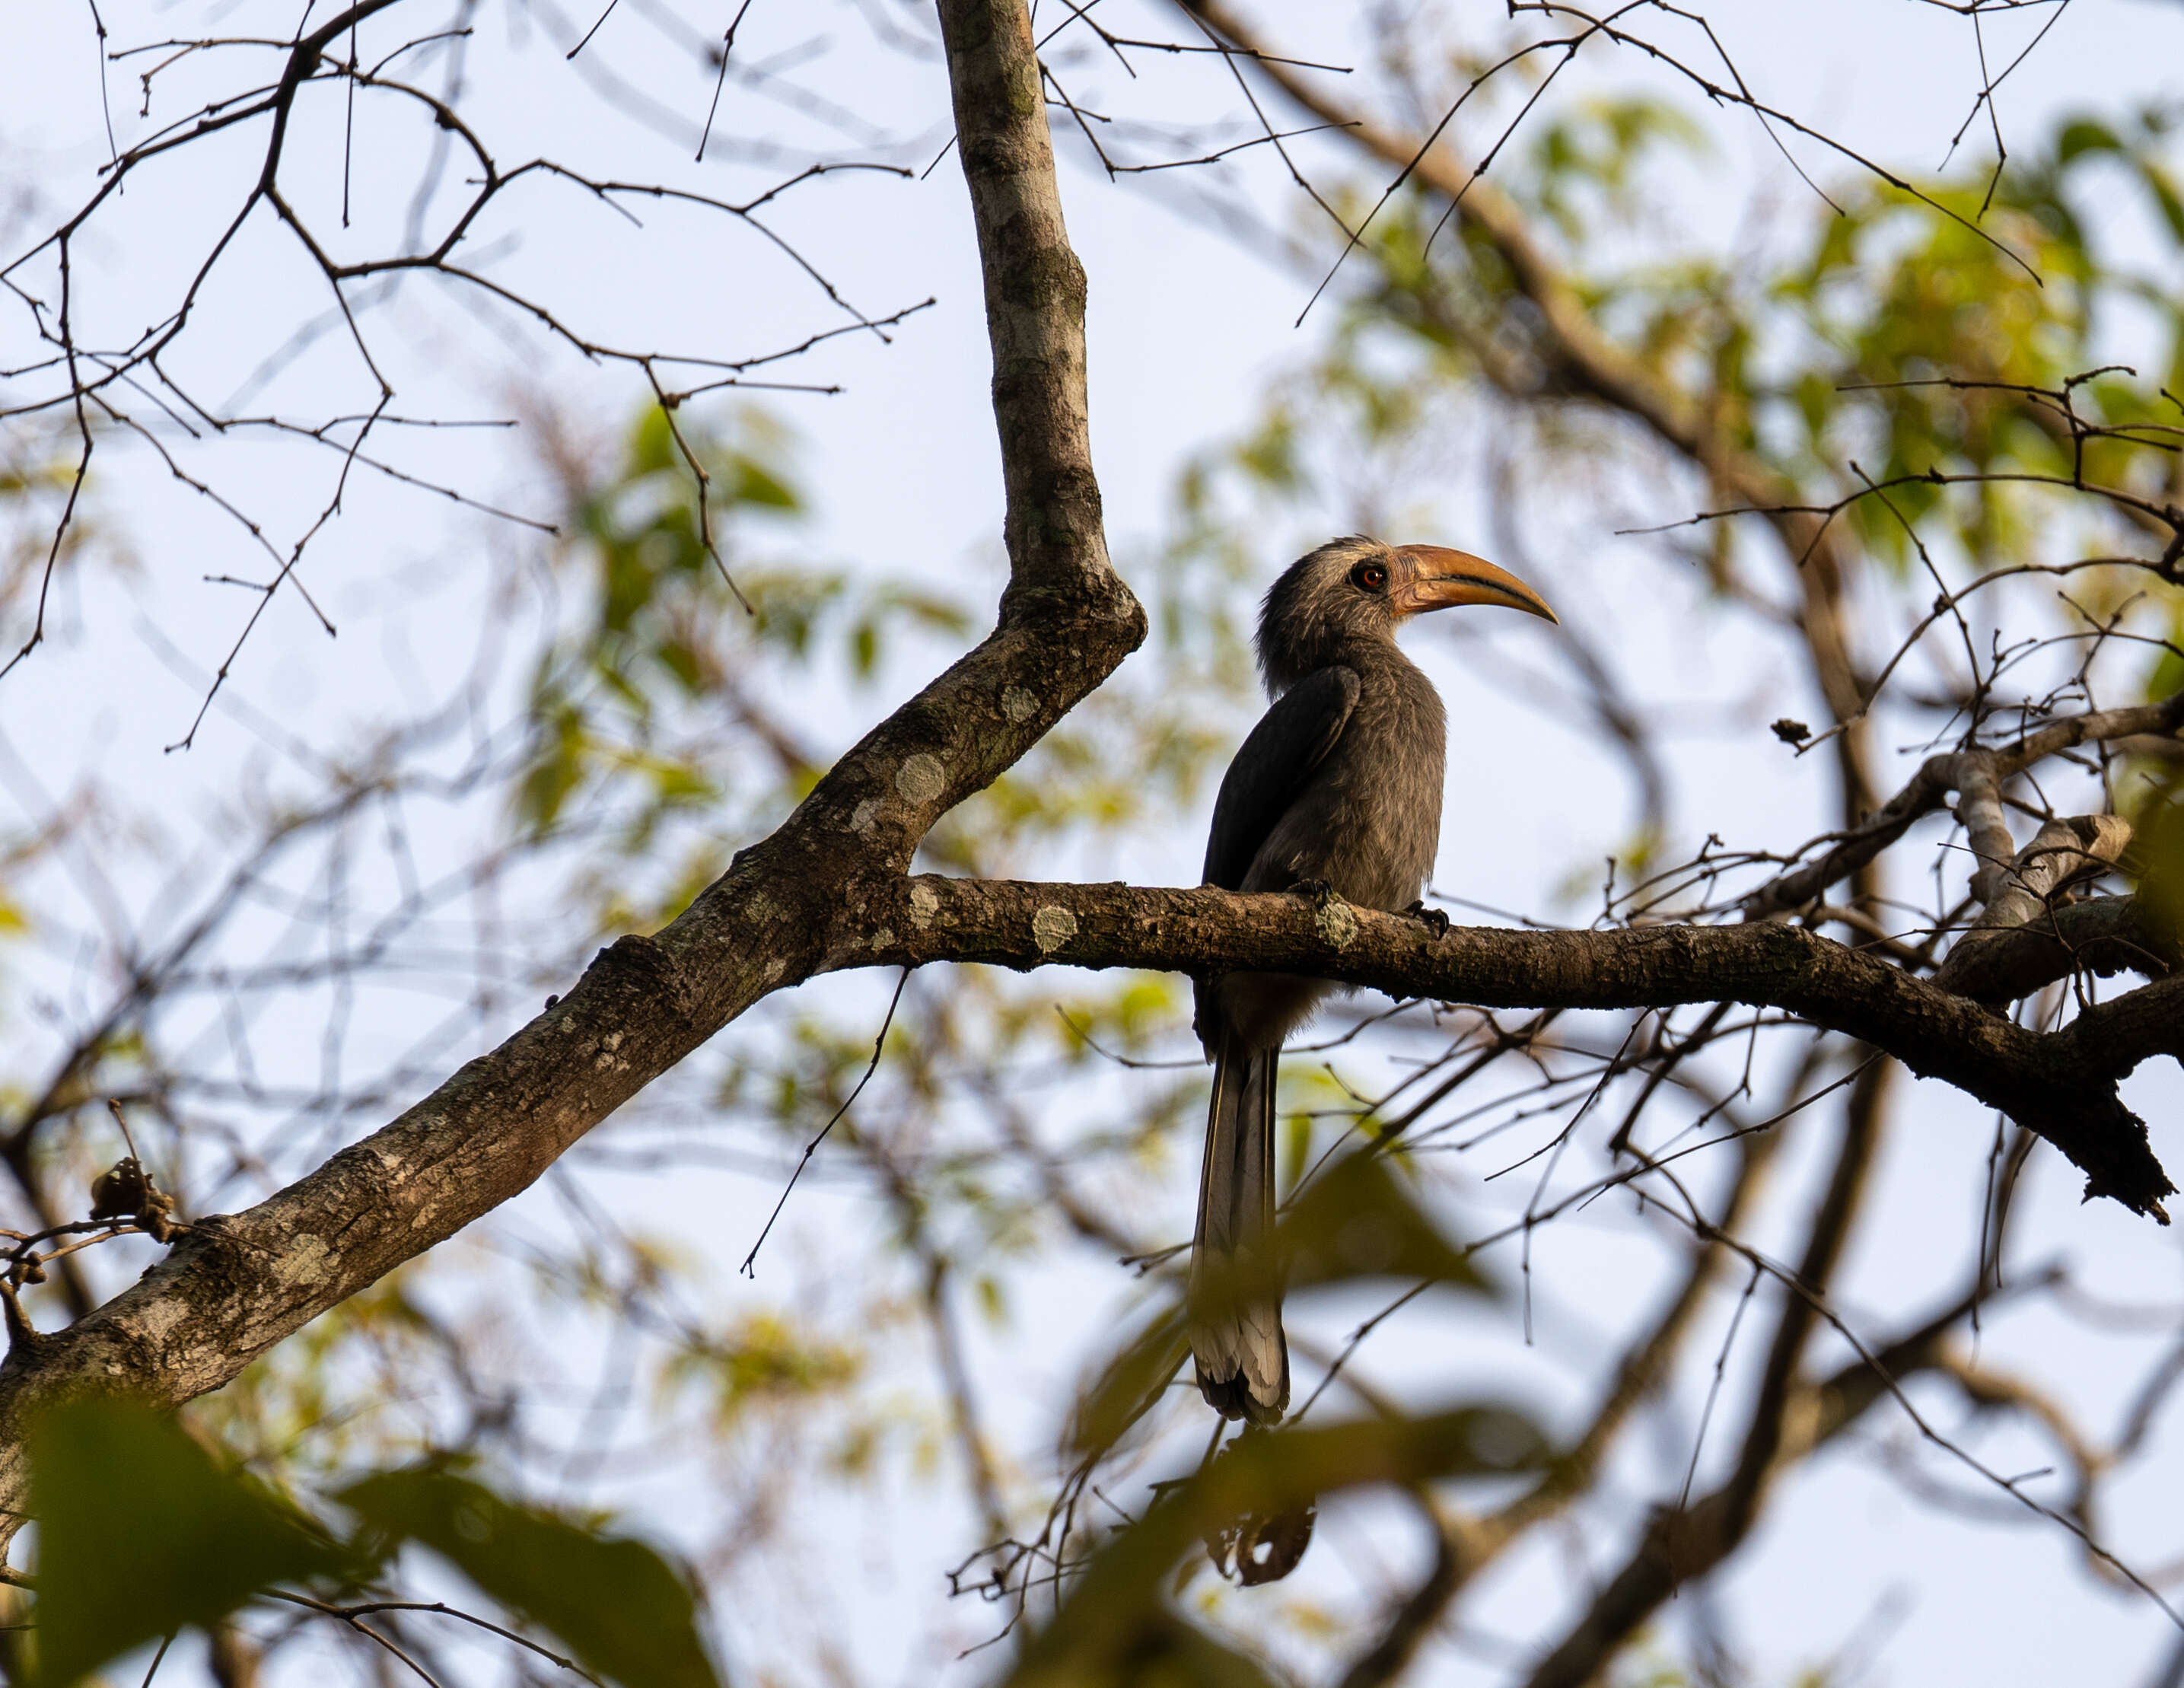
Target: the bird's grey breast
pixel 1368 821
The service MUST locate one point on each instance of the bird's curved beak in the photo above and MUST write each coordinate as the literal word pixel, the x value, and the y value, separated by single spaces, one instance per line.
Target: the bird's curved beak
pixel 1435 578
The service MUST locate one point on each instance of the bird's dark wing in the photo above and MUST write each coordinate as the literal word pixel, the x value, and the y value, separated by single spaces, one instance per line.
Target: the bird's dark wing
pixel 1292 739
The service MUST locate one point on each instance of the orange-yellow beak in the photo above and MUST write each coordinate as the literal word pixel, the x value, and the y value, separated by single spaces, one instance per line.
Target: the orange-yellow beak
pixel 1435 577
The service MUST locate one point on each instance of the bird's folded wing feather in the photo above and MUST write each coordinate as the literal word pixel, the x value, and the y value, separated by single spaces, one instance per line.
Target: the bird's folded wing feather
pixel 1292 739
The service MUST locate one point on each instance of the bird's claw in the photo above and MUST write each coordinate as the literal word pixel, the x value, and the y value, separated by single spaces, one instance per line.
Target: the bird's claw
pixel 1435 920
pixel 1318 890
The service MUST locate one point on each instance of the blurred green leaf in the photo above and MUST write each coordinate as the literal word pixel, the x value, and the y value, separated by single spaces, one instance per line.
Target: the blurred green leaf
pixel 1356 1220
pixel 2158 853
pixel 1115 1631
pixel 616 1603
pixel 557 767
pixel 1130 1384
pixel 142 1534
pixel 2083 135
pixel 763 1358
pixel 756 484
pixel 1585 165
pixel 1170 1652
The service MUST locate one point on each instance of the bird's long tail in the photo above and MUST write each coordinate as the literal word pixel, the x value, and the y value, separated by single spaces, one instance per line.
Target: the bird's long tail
pixel 1235 1305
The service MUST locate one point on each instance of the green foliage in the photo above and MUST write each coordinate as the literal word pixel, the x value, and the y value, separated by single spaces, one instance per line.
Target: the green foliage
pixel 763 1358
pixel 1162 1650
pixel 647 632
pixel 1130 1384
pixel 1917 324
pixel 2157 854
pixel 621 1610
pixel 1115 1627
pixel 39 461
pixel 1585 165
pixel 141 1534
pixel 1355 1220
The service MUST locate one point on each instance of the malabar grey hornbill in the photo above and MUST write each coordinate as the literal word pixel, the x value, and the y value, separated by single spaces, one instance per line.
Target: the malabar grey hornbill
pixel 1337 793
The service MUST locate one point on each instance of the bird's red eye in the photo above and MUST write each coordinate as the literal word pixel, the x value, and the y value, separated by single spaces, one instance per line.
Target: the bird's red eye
pixel 1373 577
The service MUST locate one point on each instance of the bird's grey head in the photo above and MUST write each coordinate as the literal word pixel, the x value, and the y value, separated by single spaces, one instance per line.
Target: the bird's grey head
pixel 1356 592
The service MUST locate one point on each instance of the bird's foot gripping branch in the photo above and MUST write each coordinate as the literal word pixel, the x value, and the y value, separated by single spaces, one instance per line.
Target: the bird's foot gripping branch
pixel 2060 1084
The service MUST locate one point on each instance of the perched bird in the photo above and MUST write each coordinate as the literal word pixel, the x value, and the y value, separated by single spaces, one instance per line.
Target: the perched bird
pixel 1337 793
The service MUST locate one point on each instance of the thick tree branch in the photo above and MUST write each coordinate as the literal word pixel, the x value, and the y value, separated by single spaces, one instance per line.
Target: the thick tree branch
pixel 2059 1085
pixel 238 1284
pixel 2107 935
pixel 1035 292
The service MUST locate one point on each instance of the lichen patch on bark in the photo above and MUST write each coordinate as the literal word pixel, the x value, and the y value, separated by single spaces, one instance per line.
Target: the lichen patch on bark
pixel 1051 927
pixel 920 779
